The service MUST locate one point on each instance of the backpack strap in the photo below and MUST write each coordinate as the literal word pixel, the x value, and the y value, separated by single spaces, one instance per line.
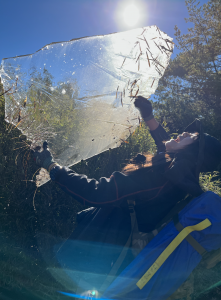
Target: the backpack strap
pixel 202 251
pixel 175 210
pixel 169 250
pixel 133 217
pixel 173 214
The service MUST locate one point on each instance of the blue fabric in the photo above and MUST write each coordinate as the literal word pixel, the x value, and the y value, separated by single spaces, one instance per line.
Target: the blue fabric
pixel 180 263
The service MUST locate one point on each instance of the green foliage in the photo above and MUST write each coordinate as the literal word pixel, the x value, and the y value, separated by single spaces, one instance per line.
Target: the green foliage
pixel 47 111
pixel 191 86
pixel 55 213
pixel 211 182
pixel 109 161
pixel 25 210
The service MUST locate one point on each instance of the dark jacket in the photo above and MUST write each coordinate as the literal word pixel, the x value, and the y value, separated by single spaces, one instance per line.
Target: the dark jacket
pixel 153 193
pixel 155 190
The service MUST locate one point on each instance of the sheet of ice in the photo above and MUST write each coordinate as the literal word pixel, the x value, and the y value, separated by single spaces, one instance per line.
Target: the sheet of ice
pixel 78 95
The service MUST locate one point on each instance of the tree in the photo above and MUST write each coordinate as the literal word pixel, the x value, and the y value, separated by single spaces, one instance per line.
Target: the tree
pixel 191 86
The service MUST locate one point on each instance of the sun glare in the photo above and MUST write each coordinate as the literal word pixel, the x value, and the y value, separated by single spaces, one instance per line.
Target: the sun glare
pixel 131 15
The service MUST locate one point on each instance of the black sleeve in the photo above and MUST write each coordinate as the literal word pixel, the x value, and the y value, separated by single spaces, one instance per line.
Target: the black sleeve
pixel 159 135
pixel 113 191
pixel 88 191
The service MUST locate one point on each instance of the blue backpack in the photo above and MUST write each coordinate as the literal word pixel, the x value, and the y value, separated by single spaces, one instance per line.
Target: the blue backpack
pixel 167 261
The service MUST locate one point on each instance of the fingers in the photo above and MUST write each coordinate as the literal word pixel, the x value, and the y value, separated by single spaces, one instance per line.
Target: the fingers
pixel 37 150
pixel 141 98
pixel 45 145
pixel 139 101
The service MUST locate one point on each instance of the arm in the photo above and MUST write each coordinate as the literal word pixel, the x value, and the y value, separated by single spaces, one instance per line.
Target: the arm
pixel 152 124
pixel 87 191
pixel 156 130
pixel 158 133
pixel 113 191
pixel 106 191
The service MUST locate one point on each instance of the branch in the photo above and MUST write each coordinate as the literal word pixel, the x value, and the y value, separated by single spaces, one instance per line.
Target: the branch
pixel 6 92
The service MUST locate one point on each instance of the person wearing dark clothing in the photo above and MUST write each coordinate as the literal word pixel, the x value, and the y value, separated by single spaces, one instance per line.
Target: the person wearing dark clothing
pixel 154 189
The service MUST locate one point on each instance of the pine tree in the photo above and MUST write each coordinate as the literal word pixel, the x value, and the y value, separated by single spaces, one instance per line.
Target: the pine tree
pixel 191 86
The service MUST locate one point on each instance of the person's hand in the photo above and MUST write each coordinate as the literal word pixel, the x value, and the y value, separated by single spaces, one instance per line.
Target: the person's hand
pixel 44 158
pixel 145 108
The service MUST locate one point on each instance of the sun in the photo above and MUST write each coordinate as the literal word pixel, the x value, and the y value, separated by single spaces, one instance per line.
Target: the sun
pixel 131 15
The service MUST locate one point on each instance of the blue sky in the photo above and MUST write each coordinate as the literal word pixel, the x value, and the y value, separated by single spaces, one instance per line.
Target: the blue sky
pixel 28 25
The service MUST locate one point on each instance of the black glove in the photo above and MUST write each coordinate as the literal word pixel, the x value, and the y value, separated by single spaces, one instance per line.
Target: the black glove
pixel 145 108
pixel 44 158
